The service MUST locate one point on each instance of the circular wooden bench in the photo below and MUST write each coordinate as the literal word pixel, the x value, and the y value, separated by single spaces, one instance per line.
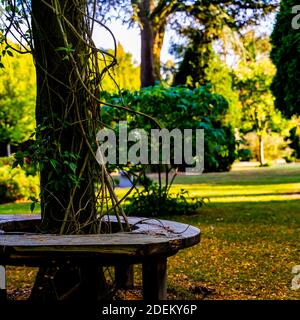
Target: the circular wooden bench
pixel 150 243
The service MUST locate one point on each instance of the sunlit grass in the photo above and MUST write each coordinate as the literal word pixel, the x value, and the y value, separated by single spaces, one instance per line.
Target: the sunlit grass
pixel 14 208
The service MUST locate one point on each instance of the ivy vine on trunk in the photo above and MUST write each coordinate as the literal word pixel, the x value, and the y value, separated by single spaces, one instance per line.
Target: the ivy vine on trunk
pixel 76 190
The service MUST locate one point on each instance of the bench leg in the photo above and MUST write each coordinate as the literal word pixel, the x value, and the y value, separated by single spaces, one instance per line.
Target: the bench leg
pixel 2 284
pixel 124 275
pixel 155 279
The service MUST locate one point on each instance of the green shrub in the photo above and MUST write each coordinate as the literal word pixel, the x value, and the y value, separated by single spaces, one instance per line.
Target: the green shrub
pixel 154 200
pixel 16 185
pixel 174 107
pixel 182 108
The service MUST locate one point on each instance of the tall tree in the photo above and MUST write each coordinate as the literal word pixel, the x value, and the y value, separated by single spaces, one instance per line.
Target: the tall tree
pixel 153 17
pixel 67 120
pixel 285 55
pixel 56 52
pixel 253 79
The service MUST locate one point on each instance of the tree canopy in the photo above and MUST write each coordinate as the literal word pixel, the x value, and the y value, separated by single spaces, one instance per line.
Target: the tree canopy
pixel 125 75
pixel 285 55
pixel 17 97
pixel 155 16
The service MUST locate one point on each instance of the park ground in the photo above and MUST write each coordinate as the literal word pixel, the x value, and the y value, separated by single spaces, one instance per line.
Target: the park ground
pixel 250 240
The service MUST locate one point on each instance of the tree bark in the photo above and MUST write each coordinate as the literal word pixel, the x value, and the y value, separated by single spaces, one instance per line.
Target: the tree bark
pixel 65 116
pixel 66 183
pixel 158 38
pixel 147 44
pixel 153 21
pixel 261 150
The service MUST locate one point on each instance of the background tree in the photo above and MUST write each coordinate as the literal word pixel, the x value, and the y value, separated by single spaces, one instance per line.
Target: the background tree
pixel 17 99
pixel 193 68
pixel 285 55
pixel 253 82
pixel 221 78
pixel 254 76
pixel 154 16
pixel 124 75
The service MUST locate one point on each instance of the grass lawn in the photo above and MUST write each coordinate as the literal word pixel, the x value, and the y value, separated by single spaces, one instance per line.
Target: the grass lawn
pixel 250 236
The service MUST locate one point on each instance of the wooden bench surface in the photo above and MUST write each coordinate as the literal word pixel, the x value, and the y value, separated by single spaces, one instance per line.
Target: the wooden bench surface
pixel 150 237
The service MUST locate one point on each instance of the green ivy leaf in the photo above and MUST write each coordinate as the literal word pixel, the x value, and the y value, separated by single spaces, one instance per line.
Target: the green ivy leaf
pixel 72 166
pixel 53 163
pixel 32 206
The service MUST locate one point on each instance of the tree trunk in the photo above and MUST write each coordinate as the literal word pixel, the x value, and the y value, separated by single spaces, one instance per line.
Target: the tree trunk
pixel 8 149
pixel 153 21
pixel 261 150
pixel 65 117
pixel 67 188
pixel 158 38
pixel 147 42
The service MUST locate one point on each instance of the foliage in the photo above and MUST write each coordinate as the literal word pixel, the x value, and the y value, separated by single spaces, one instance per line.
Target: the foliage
pixel 154 17
pixel 212 22
pixel 275 146
pixel 221 79
pixel 125 75
pixel 294 138
pixel 253 81
pixel 5 161
pixel 16 185
pixel 285 55
pixel 182 108
pixel 154 200
pixel 17 97
pixel 253 78
pixel 193 68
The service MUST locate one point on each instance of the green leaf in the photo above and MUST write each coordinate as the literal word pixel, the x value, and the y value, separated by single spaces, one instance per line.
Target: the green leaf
pixel 15 164
pixel 32 206
pixel 72 166
pixel 53 163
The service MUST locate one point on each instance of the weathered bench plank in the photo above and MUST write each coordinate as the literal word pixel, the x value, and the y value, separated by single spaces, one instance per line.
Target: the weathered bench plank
pixel 149 243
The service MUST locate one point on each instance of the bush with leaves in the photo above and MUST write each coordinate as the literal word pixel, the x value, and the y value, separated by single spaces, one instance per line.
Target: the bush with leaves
pixel 157 200
pixel 16 185
pixel 182 108
pixel 174 107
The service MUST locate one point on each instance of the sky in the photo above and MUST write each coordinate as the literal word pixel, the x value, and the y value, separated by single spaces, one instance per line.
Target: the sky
pixel 129 38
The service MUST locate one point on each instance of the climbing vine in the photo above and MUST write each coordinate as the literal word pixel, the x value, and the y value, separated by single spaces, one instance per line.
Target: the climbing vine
pixel 76 191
